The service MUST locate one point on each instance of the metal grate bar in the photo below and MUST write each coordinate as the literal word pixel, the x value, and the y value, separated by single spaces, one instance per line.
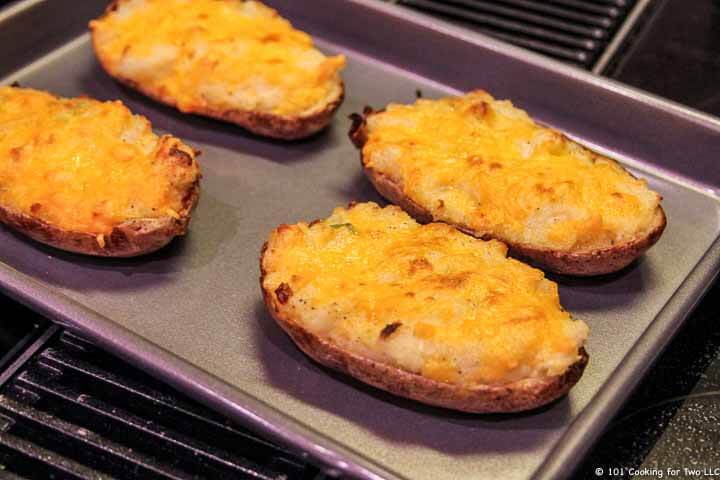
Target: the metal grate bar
pixel 602 17
pixel 80 407
pixel 511 26
pixel 79 361
pixel 23 459
pixel 575 56
pixel 575 31
pixel 121 427
pixel 597 6
pixel 497 10
pixel 92 450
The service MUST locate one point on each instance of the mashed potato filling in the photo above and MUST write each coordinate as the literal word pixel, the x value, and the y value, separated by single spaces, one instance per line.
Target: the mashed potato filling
pixel 484 164
pixel 84 165
pixel 427 299
pixel 220 54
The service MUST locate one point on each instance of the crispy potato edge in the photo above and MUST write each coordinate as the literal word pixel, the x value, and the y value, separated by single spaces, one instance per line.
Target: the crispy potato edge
pixel 517 396
pixel 578 263
pixel 128 239
pixel 259 123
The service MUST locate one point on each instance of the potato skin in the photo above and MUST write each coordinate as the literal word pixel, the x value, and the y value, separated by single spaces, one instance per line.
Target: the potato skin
pixel 578 263
pixel 512 397
pixel 260 123
pixel 128 239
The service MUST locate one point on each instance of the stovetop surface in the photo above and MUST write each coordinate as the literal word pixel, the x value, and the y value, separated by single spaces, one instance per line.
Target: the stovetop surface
pixel 673 419
pixel 678 55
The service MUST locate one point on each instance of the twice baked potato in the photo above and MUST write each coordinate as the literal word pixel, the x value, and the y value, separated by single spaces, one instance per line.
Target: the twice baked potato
pixel 487 168
pixel 422 311
pixel 91 177
pixel 232 60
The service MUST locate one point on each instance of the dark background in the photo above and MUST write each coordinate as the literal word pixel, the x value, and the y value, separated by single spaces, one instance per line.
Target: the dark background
pixel 673 419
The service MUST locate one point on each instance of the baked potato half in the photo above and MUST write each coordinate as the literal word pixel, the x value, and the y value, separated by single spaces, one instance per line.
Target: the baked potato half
pixel 90 177
pixel 232 60
pixel 422 311
pixel 488 169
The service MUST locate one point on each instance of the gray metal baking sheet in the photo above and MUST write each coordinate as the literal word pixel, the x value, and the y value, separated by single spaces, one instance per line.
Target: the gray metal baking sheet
pixel 192 313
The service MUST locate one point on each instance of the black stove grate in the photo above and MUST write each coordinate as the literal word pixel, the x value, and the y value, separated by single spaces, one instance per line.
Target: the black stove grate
pixel 576 31
pixel 75 412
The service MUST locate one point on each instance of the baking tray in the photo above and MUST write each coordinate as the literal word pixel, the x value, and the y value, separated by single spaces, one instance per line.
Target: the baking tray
pixel 192 313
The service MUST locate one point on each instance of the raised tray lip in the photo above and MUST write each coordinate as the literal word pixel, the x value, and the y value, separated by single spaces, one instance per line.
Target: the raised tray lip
pixel 582 432
pixel 527 56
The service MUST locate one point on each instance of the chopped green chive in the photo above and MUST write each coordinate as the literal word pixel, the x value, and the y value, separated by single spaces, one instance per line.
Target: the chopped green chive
pixel 349 226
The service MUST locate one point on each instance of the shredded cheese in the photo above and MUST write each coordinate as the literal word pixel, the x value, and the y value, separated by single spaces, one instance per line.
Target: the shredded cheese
pixel 427 299
pixel 223 54
pixel 484 164
pixel 84 165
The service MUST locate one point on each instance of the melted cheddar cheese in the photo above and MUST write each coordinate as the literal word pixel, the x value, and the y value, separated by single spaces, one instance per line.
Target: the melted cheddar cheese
pixel 484 164
pixel 84 165
pixel 427 299
pixel 219 54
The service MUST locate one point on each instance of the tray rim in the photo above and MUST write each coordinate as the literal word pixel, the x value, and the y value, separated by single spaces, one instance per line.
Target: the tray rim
pixel 569 449
pixel 528 56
